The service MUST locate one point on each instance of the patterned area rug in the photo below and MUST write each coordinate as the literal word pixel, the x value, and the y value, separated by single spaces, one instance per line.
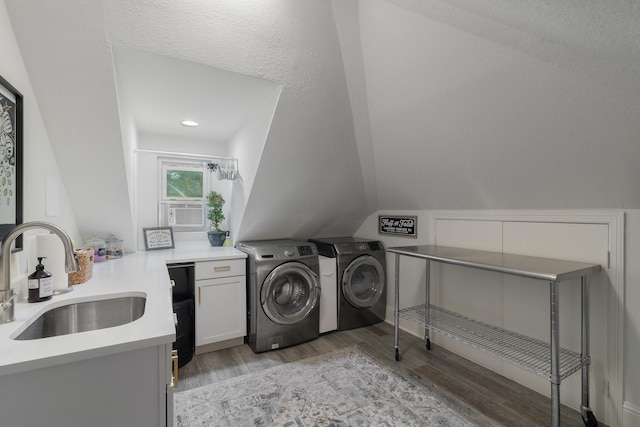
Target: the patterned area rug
pixel 346 387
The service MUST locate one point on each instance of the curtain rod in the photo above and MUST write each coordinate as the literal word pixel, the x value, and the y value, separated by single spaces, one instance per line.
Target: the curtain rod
pixel 171 153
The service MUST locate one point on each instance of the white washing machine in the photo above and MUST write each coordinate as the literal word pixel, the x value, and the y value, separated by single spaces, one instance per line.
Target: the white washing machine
pixel 283 293
pixel 361 279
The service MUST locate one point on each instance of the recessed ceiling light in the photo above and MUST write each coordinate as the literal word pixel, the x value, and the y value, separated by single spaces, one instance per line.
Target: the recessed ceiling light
pixel 190 123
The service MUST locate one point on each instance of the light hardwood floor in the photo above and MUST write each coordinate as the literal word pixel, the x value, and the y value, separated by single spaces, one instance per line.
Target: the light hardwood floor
pixel 501 400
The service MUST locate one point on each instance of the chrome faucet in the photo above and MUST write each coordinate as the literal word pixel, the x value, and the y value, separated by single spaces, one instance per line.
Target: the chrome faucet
pixel 7 294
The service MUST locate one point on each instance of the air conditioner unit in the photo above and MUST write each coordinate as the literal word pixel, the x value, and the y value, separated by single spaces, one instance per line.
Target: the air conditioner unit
pixel 184 216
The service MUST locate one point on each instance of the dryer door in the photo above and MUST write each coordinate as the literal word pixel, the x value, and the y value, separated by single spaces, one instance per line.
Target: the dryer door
pixel 363 282
pixel 290 293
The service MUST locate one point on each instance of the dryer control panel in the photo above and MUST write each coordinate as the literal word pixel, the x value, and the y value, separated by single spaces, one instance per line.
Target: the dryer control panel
pixel 357 247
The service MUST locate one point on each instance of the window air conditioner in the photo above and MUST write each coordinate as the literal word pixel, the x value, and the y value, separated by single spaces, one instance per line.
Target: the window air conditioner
pixel 186 216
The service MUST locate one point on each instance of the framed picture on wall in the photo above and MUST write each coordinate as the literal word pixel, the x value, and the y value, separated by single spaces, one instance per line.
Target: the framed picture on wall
pixel 11 153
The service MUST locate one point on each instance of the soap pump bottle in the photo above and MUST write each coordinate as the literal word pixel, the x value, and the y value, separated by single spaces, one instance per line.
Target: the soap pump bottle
pixel 40 284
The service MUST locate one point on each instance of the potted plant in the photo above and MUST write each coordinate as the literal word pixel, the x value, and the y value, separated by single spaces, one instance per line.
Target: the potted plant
pixel 215 216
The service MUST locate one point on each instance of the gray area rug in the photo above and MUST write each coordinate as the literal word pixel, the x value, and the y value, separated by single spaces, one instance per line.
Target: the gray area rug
pixel 346 387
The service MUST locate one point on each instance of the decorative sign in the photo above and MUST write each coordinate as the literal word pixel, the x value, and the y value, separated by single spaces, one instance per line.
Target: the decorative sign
pixel 399 225
pixel 158 238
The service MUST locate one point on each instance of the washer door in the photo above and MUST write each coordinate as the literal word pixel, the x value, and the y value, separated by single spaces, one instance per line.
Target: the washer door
pixel 290 293
pixel 363 282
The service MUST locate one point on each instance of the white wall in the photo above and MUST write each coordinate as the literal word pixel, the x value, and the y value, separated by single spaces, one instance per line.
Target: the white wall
pixel 79 107
pixel 147 176
pixel 247 145
pixel 632 319
pixel 39 158
pixel 129 134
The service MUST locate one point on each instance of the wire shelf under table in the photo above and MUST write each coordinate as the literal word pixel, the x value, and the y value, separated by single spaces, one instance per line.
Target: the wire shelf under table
pixel 528 353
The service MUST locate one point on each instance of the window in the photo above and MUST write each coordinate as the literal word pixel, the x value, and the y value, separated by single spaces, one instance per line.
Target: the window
pixel 183 181
pixel 184 187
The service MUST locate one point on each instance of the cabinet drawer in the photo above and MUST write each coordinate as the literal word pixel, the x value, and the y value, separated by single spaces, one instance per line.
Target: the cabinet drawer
pixel 220 268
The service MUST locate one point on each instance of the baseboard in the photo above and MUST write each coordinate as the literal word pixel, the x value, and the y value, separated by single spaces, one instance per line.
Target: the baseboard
pixel 207 348
pixel 630 415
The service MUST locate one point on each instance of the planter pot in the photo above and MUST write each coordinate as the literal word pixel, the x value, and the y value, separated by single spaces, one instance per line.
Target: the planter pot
pixel 216 238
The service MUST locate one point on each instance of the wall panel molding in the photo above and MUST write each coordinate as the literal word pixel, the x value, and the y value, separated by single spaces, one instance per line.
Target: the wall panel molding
pixel 614 219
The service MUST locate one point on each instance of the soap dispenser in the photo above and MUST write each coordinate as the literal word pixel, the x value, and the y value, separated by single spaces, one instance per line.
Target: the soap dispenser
pixel 40 284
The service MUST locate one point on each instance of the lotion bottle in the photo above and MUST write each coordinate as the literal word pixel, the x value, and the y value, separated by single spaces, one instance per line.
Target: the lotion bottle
pixel 40 284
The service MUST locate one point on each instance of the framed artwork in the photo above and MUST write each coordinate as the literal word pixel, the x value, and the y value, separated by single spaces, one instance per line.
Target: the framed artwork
pixel 11 157
pixel 158 238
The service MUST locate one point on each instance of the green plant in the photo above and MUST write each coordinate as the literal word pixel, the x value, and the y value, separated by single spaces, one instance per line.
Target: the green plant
pixel 215 215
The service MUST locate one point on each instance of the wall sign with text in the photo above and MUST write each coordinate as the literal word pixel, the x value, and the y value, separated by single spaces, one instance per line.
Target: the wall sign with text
pixel 158 238
pixel 398 225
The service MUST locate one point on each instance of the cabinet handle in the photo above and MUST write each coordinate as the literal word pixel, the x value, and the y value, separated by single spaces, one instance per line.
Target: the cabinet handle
pixel 174 361
pixel 199 295
pixel 173 283
pixel 222 268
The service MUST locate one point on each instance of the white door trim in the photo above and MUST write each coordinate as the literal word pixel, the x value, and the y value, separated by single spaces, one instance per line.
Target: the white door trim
pixel 614 219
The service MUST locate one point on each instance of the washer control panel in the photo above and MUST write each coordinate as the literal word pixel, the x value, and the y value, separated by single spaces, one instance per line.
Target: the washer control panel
pixel 297 251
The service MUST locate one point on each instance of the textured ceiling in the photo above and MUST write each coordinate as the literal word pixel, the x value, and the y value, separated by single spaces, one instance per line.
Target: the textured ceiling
pixel 609 29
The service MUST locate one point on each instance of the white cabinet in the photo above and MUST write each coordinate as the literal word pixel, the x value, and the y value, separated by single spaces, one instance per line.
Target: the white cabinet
pixel 221 306
pixel 131 388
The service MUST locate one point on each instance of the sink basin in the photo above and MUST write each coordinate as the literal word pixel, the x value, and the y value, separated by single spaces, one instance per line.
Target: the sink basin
pixel 85 316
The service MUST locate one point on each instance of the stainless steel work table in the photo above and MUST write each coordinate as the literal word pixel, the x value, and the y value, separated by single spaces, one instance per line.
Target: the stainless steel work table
pixel 548 360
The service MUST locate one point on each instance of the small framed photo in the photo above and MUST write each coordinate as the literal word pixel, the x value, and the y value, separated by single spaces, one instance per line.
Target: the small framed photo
pixel 158 238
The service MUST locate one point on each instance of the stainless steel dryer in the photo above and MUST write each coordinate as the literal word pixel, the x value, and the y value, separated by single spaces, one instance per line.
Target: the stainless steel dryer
pixel 362 272
pixel 283 293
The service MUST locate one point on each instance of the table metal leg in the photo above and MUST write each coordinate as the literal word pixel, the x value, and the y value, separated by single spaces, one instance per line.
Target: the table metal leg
pixel 427 303
pixel 555 353
pixel 587 414
pixel 396 311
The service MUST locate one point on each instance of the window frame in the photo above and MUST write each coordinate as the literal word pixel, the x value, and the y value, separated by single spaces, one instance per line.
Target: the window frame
pixel 164 202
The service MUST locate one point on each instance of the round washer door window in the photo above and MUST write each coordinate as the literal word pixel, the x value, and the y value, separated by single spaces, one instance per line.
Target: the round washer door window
pixel 363 282
pixel 290 293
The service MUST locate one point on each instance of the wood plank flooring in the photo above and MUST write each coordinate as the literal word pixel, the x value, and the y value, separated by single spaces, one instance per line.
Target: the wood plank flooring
pixel 500 400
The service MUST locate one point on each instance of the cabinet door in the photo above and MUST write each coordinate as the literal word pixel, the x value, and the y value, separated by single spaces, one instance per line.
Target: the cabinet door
pixel 221 309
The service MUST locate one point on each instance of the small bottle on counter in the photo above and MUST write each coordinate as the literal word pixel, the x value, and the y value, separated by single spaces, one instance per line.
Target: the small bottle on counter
pixel 40 284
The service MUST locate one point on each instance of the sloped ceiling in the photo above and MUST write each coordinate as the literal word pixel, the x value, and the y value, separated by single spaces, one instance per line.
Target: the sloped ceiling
pixel 308 180
pixel 386 104
pixel 161 91
pixel 492 107
pixel 70 67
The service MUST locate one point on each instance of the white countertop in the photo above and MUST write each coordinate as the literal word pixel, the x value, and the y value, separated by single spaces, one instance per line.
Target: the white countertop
pixel 140 273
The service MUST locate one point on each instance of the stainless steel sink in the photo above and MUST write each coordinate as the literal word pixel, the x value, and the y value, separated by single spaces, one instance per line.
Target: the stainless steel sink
pixel 85 316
